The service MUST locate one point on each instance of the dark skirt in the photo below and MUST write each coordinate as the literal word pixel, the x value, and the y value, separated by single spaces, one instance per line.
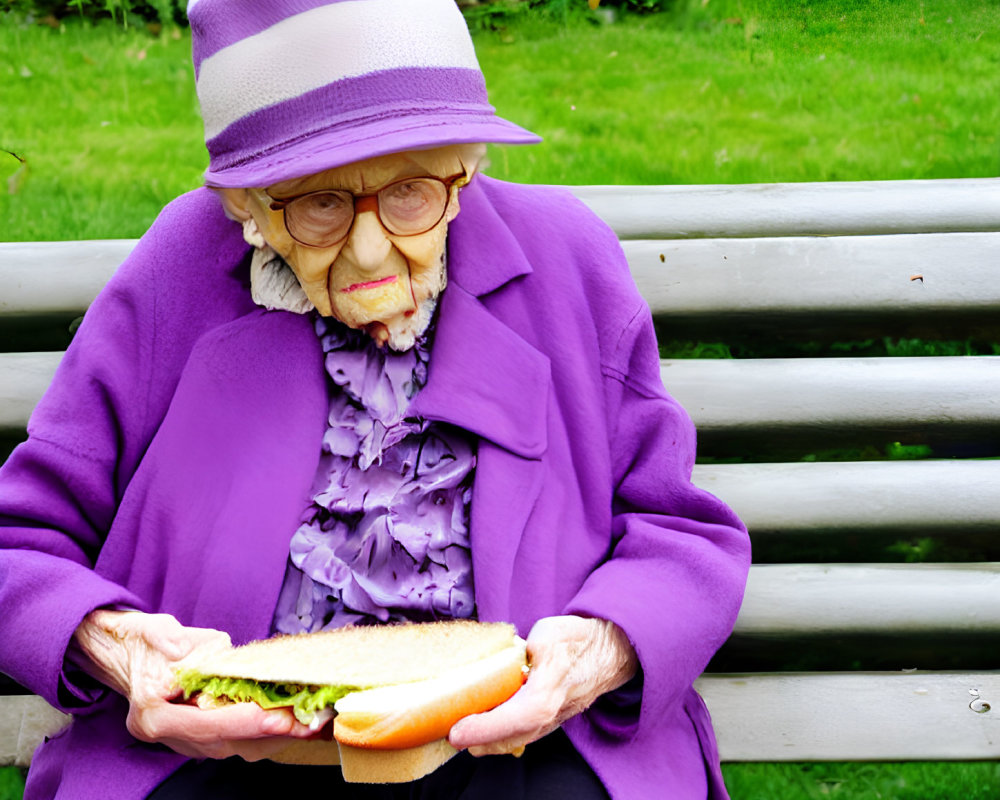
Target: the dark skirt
pixel 549 768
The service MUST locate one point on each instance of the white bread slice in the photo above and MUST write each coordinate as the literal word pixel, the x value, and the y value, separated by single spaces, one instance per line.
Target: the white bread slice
pixel 370 766
pixel 393 766
pixel 363 656
pixel 323 752
pixel 411 714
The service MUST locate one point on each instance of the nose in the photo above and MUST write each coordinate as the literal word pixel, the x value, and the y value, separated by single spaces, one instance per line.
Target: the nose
pixel 367 244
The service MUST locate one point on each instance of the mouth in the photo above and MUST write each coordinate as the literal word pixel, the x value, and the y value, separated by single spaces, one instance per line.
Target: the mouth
pixel 354 287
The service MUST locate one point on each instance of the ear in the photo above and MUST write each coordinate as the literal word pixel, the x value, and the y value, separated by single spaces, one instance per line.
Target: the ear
pixel 472 157
pixel 236 202
pixel 453 208
pixel 453 205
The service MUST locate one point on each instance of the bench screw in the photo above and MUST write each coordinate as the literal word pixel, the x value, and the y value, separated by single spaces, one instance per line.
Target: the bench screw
pixel 978 705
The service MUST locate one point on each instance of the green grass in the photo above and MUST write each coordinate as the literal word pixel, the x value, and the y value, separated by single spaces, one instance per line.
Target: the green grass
pixel 11 783
pixel 719 92
pixel 839 781
pixel 834 781
pixel 757 91
pixel 106 122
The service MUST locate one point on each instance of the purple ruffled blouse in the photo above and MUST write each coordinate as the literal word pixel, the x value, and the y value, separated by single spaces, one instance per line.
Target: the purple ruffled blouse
pixel 386 537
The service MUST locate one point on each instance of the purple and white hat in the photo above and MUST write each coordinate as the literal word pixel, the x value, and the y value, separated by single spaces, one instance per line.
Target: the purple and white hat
pixel 293 87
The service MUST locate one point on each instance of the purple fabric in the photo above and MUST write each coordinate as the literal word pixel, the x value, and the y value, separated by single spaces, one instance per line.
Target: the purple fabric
pixel 341 115
pixel 169 463
pixel 405 101
pixel 386 537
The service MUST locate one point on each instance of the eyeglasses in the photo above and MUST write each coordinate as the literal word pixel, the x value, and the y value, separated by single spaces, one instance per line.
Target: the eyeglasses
pixel 406 207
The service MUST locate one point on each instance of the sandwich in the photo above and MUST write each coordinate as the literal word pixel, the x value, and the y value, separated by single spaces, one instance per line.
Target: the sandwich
pixel 392 691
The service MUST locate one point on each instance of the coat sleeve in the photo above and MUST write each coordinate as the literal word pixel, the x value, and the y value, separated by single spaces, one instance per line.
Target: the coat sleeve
pixel 60 490
pixel 676 575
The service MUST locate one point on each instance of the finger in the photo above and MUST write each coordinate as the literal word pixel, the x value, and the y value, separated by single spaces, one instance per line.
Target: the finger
pixel 528 715
pixel 169 721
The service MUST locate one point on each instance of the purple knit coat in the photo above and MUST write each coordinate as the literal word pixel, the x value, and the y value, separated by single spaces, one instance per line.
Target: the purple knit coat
pixel 171 459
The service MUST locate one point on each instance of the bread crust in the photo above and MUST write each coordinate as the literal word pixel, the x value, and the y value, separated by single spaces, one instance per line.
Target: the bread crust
pixel 369 766
pixel 409 715
pixel 322 752
pixel 393 766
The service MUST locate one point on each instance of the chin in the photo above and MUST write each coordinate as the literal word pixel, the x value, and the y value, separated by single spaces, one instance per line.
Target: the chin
pixel 401 332
pixel 396 329
pixel 389 315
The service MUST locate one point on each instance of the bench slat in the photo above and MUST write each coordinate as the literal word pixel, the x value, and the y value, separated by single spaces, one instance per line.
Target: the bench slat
pixel 56 277
pixel 24 377
pixel 953 496
pixel 824 276
pixel 781 717
pixel 855 274
pixel 24 721
pixel 821 599
pixel 854 716
pixel 727 395
pixel 835 393
pixel 796 209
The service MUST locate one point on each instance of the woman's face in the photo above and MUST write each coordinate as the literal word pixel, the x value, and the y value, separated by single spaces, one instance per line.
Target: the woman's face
pixel 372 279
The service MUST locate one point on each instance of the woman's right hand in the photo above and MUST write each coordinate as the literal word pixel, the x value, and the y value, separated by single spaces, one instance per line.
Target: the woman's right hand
pixel 135 653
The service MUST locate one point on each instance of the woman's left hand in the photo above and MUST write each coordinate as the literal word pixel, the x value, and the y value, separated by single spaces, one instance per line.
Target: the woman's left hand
pixel 574 660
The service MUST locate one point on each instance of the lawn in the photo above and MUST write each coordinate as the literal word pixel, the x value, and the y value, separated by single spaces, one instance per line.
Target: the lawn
pixel 101 128
pixel 724 91
pixel 757 91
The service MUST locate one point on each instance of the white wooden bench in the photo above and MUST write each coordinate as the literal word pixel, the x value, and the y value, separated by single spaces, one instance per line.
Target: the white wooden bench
pixel 892 660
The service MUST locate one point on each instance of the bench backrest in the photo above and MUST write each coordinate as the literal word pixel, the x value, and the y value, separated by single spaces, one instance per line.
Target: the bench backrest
pixel 874 599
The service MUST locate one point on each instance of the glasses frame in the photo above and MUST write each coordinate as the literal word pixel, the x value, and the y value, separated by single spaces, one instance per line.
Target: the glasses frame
pixel 281 204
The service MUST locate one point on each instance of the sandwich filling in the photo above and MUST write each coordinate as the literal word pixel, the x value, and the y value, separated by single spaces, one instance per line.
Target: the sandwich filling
pixel 305 701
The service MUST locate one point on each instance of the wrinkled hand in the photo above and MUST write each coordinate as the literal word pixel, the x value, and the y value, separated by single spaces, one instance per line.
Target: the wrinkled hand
pixel 574 660
pixel 134 653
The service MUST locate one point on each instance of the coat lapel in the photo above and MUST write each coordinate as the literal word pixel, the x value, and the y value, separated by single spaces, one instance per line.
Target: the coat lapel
pixel 254 397
pixel 483 377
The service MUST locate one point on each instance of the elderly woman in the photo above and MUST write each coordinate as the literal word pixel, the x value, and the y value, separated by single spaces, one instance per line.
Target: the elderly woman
pixel 359 382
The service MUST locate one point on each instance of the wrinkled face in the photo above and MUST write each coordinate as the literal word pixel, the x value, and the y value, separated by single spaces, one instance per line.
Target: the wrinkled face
pixel 373 279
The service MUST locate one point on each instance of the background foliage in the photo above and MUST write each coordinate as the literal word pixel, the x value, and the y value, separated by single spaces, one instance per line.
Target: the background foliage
pixel 125 12
pixel 173 11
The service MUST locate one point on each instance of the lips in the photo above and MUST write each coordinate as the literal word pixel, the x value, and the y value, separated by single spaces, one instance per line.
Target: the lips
pixel 354 287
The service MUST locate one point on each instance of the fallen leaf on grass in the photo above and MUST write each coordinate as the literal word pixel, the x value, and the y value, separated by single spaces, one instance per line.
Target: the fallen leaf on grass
pixel 16 181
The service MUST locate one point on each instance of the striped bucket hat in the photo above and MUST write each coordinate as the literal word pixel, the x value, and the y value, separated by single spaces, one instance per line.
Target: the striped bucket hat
pixel 293 87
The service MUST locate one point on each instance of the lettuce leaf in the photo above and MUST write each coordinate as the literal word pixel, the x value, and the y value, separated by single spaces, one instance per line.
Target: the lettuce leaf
pixel 304 701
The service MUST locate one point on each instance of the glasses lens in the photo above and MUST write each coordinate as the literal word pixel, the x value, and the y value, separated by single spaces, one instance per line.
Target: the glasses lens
pixel 412 206
pixel 321 218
